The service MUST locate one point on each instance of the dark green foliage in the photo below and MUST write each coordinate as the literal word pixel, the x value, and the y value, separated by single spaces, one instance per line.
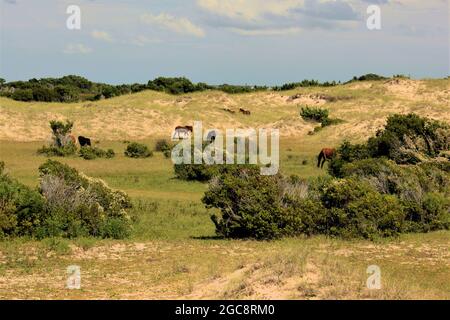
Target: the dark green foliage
pixel 53 151
pixel 66 89
pixel 375 198
pixel 234 89
pixel 172 85
pixel 314 113
pixel 68 204
pixel 319 115
pixel 138 150
pixel 115 228
pixel 74 88
pixel 162 145
pixel 406 139
pixel 243 195
pixel 91 153
pixel 368 77
pixel 196 172
pixel 77 205
pixel 304 83
pixel 21 208
pixel 62 145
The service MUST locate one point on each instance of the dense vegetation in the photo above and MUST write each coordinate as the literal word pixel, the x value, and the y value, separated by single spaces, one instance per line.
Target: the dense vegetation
pixel 319 115
pixel 371 195
pixel 64 144
pixel 73 88
pixel 67 204
pixel 138 150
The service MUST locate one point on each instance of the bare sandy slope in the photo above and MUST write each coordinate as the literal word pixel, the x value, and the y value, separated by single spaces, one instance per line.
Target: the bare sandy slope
pixel 364 107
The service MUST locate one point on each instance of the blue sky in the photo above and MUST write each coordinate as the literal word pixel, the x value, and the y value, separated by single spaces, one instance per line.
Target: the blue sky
pixel 223 41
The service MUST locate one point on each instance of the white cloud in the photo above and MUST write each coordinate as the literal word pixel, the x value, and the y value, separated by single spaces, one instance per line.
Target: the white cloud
pixel 102 35
pixel 141 40
pixel 74 48
pixel 249 10
pixel 174 24
pixel 266 32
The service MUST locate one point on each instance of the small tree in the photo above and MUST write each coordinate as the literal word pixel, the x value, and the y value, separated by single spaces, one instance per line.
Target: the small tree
pixel 61 132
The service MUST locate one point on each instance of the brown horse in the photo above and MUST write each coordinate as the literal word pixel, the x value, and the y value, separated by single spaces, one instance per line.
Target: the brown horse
pixel 324 155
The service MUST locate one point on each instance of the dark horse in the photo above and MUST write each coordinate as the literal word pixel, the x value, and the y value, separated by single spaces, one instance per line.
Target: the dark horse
pixel 324 155
pixel 84 141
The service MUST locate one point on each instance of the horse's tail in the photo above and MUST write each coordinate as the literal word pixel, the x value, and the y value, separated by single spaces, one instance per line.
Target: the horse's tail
pixel 319 158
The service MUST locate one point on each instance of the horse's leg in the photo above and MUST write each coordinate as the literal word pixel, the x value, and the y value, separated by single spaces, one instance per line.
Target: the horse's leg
pixel 319 158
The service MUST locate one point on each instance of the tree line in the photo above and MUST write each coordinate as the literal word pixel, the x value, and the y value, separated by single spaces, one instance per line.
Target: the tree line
pixel 74 88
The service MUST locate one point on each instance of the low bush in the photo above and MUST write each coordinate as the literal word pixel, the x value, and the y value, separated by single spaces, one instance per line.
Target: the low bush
pixel 164 146
pixel 161 145
pixel 78 205
pixel 314 113
pixel 319 115
pixel 376 198
pixel 53 151
pixel 67 204
pixel 21 208
pixel 138 150
pixel 62 145
pixel 249 203
pixel 91 153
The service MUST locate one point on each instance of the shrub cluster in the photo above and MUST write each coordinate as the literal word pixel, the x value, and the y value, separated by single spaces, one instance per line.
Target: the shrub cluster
pixel 406 139
pixel 91 153
pixel 67 204
pixel 319 115
pixel 62 144
pixel 370 204
pixel 304 83
pixel 368 77
pixel 21 208
pixel 138 150
pixel 66 89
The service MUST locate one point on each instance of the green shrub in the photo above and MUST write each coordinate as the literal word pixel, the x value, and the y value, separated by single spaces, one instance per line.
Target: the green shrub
pixel 377 198
pixel 78 205
pixel 196 172
pixel 161 145
pixel 355 209
pixel 115 228
pixel 314 113
pixel 62 145
pixel 91 153
pixel 138 150
pixel 249 203
pixel 319 115
pixel 165 147
pixel 21 208
pixel 53 151
pixel 410 138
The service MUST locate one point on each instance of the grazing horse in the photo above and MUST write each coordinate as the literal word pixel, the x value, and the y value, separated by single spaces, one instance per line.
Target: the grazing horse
pixel 243 111
pixel 84 141
pixel 182 132
pixel 324 155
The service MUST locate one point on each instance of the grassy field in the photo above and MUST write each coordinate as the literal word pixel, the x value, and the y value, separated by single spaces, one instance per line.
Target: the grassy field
pixel 173 252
